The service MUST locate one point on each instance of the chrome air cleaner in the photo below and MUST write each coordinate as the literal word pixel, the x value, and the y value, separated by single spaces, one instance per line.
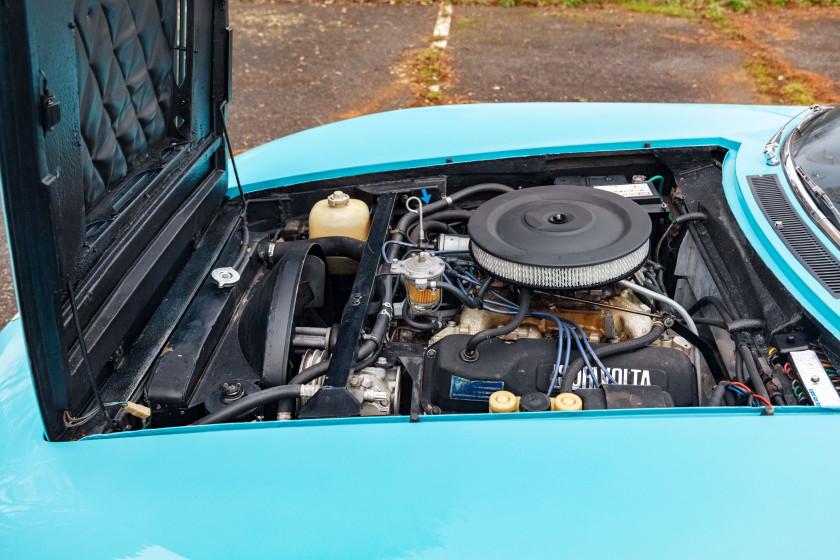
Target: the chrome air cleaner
pixel 560 237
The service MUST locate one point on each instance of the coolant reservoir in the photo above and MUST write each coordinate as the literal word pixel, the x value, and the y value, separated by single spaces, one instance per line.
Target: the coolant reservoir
pixel 340 215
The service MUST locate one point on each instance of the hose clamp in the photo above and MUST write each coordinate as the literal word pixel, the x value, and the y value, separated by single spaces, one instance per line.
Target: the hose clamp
pixel 387 309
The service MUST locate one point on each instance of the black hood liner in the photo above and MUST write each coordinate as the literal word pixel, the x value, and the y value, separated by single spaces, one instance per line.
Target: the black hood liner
pixel 124 61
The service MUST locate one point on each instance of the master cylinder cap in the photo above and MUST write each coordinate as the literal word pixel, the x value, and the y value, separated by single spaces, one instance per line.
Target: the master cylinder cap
pixel 504 401
pixel 566 402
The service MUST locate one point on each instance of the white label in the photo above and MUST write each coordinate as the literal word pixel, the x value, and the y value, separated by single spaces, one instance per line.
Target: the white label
pixel 629 190
pixel 815 379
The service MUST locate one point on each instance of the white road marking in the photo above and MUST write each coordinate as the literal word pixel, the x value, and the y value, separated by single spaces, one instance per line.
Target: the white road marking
pixel 444 19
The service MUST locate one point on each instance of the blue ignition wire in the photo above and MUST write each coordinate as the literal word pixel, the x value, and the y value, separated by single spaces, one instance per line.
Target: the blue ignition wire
pixel 561 331
pixel 577 339
pixel 563 334
pixel 591 351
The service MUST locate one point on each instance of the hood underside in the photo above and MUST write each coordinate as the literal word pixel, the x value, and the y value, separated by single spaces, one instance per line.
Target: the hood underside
pixel 112 162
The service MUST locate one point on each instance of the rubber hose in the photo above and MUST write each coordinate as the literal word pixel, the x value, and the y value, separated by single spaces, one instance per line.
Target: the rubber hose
pixel 236 408
pixel 243 251
pixel 479 337
pixel 691 216
pixel 745 325
pixel 711 323
pixel 310 373
pixel 336 246
pixel 729 398
pixel 420 325
pixel 652 336
pixel 739 367
pixel 451 215
pixel 482 290
pixel 752 370
pixel 733 326
pixel 713 301
pixel 646 301
pixel 428 227
pixel 465 299
pixel 717 394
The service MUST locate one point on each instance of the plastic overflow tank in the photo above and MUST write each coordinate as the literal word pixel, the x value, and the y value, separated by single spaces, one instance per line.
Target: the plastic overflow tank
pixel 340 215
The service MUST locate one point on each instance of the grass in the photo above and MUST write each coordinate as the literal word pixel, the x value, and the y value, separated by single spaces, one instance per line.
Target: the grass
pixel 428 72
pixel 428 66
pixel 773 78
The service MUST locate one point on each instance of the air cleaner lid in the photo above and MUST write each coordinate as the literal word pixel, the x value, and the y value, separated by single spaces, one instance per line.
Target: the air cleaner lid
pixel 560 227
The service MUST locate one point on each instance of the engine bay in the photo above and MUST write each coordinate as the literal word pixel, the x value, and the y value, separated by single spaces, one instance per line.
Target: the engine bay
pixel 528 285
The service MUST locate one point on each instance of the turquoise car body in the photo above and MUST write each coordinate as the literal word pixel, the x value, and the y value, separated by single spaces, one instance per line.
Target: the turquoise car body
pixel 691 482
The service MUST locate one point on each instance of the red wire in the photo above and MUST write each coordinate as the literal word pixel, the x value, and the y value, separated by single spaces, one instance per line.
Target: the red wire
pixel 763 399
pixel 751 393
pixel 788 372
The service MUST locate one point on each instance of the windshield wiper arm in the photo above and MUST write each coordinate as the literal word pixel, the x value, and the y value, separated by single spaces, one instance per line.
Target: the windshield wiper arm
pixel 817 192
pixel 771 149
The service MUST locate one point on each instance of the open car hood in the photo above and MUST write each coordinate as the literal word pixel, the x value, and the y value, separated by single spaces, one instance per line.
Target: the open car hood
pixel 112 162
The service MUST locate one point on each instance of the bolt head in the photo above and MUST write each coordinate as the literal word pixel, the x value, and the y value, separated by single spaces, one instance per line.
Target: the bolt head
pixel 431 353
pixel 382 361
pixel 354 381
pixel 815 378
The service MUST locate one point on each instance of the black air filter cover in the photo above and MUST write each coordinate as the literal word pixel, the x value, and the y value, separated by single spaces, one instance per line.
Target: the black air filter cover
pixel 560 237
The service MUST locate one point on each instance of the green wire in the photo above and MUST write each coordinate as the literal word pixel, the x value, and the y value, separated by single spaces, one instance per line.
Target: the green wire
pixel 661 180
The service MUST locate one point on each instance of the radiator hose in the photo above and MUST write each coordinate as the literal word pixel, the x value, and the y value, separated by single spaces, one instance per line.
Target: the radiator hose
pixel 336 246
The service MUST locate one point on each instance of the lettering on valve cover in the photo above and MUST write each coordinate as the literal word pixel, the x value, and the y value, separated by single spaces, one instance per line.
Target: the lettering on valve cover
pixel 622 376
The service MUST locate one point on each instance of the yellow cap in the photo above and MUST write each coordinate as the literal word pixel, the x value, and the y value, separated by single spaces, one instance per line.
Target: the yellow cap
pixel 504 401
pixel 566 402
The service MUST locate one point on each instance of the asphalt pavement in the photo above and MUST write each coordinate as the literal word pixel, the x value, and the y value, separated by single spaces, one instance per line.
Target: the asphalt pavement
pixel 304 64
pixel 806 37
pixel 297 66
pixel 527 54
